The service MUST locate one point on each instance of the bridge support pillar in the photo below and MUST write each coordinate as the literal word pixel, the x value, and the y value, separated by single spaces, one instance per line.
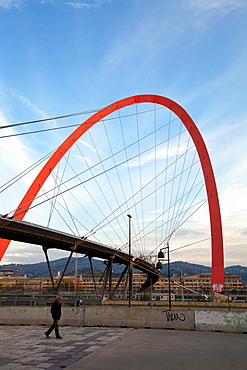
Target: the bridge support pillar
pixel 91 267
pixel 49 266
pixel 56 289
pixel 107 278
pixel 120 280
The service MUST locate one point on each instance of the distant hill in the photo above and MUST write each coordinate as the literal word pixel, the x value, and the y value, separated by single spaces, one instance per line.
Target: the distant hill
pixel 177 268
pixel 41 269
pixel 180 268
pixel 184 268
pixel 237 270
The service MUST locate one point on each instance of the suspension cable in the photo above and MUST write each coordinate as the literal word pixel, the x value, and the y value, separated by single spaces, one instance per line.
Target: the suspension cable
pixel 177 215
pixel 188 245
pixel 56 128
pixel 168 236
pixel 137 202
pixel 162 214
pixel 25 172
pixel 106 174
pixel 109 169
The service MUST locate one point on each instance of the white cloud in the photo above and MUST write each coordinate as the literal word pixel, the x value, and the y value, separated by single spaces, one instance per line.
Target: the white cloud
pixel 86 159
pixel 13 151
pixel 221 6
pixel 158 154
pixel 18 252
pixel 85 143
pixel 234 205
pixel 233 210
pixel 8 4
pixel 30 105
pixel 235 254
pixel 14 158
pixel 78 5
pixel 40 113
pixel 98 151
pixel 86 4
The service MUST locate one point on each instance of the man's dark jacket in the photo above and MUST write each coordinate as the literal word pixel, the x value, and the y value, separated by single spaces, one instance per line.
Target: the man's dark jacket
pixel 56 310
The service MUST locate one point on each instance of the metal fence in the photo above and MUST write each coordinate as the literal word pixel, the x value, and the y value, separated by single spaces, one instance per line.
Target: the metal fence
pixel 20 299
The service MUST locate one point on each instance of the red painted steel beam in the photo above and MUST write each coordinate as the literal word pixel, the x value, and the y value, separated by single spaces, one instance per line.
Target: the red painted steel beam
pixel 212 194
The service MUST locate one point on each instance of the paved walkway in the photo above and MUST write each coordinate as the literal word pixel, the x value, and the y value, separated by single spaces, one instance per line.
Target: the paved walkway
pixel 26 347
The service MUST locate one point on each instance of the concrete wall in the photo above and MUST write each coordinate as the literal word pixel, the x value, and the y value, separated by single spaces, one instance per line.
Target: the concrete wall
pixel 233 321
pixel 136 317
pixel 140 317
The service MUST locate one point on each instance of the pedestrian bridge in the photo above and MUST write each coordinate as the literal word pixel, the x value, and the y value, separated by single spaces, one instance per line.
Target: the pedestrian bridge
pixel 22 231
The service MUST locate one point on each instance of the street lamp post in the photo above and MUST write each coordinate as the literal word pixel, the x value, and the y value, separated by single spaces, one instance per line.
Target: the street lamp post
pixel 159 266
pixel 169 275
pixel 130 277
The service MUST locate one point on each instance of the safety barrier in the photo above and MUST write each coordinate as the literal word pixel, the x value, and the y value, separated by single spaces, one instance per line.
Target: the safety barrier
pixel 136 317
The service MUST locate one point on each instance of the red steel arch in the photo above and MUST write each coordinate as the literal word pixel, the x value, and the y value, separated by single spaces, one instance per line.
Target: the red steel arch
pixel 212 194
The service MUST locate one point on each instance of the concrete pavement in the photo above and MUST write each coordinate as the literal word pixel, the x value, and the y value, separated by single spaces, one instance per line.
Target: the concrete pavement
pixel 26 347
pixel 145 349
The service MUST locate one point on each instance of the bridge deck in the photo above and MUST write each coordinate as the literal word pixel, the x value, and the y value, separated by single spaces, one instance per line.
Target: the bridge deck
pixel 23 231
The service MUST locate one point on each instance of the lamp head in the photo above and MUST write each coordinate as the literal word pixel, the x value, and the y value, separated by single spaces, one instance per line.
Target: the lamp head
pixel 159 266
pixel 161 254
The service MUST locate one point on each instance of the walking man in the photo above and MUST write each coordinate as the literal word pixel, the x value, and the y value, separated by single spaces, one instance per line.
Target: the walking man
pixel 56 314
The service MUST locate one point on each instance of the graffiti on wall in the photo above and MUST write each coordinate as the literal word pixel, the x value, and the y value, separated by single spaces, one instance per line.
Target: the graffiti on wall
pixel 171 316
pixel 236 320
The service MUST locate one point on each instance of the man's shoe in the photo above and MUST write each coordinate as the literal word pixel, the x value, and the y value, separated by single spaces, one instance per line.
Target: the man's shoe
pixel 46 334
pixel 59 337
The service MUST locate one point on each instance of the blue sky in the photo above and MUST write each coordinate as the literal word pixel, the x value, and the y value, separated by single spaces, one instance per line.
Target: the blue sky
pixel 60 57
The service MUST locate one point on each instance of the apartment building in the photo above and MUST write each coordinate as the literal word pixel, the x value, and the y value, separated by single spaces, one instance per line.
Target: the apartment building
pixel 200 283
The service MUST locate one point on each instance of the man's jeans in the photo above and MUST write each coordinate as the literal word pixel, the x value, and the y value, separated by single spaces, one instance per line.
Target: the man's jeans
pixel 54 326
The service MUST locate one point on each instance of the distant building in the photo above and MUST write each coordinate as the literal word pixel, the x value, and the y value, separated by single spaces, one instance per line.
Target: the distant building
pixel 7 272
pixel 200 283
